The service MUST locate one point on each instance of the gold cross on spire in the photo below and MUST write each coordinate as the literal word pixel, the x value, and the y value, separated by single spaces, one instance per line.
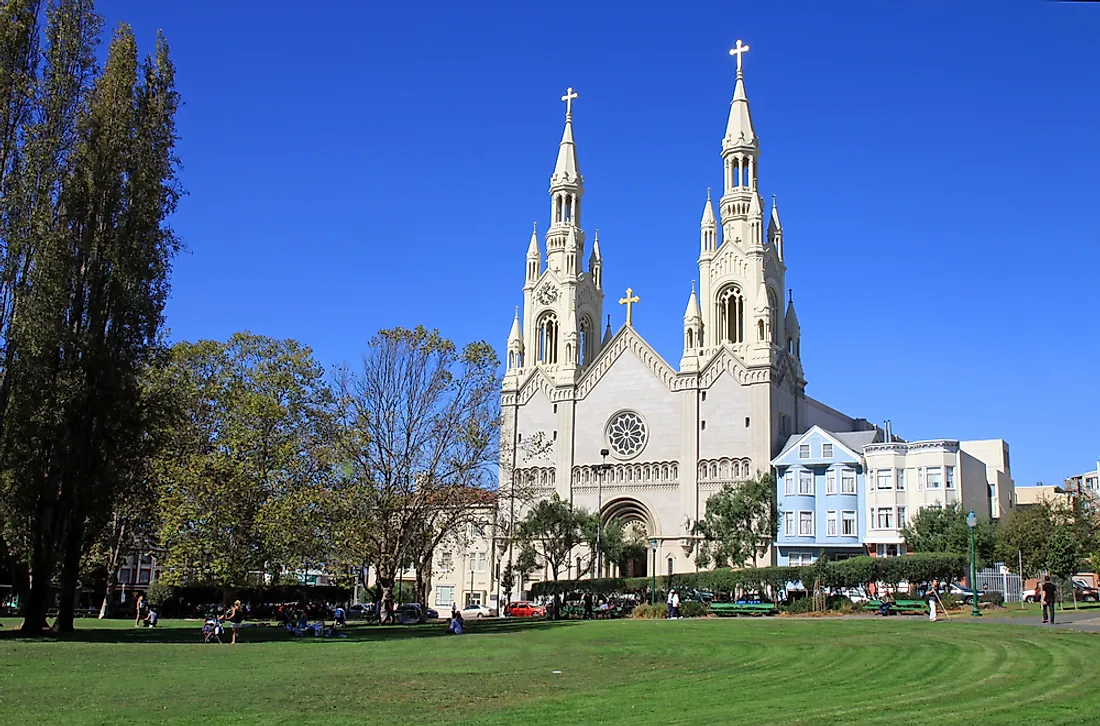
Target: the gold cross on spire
pixel 570 94
pixel 629 301
pixel 737 50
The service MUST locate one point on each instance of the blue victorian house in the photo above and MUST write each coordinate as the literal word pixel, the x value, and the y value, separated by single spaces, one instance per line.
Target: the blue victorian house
pixel 819 478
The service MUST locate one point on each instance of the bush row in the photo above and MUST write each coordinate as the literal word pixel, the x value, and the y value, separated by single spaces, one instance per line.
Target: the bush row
pixel 657 612
pixel 850 573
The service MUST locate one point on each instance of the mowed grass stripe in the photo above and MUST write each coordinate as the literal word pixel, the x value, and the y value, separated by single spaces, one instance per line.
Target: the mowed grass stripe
pixel 760 671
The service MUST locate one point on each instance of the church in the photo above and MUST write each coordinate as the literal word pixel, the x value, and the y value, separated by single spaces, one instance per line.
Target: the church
pixel 627 433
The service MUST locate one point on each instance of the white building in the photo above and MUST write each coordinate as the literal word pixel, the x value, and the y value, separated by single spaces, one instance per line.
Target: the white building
pixel 674 435
pixel 903 477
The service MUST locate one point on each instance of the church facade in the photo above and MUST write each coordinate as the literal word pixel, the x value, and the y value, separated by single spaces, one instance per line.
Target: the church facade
pixel 626 432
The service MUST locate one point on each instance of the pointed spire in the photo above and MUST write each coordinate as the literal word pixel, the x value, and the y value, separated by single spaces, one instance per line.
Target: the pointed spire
pixel 515 337
pixel 739 130
pixel 773 223
pixel 790 320
pixel 607 334
pixel 708 212
pixel 567 170
pixel 693 313
pixel 533 248
pixel 596 247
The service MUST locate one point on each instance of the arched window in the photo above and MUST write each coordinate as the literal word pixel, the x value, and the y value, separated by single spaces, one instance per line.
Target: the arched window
pixel 790 345
pixel 548 338
pixel 773 309
pixel 731 315
pixel 584 342
pixel 760 330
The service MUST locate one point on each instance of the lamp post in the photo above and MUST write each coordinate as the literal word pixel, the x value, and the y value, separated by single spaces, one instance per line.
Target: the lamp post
pixel 653 575
pixel 599 513
pixel 972 522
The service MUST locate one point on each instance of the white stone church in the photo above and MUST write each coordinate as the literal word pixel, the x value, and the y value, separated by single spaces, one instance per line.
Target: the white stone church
pixel 674 434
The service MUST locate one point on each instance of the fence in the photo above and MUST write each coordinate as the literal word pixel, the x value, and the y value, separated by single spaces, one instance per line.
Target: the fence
pixel 999 580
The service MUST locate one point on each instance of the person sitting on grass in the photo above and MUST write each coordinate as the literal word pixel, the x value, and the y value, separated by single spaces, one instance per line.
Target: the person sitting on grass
pixel 455 626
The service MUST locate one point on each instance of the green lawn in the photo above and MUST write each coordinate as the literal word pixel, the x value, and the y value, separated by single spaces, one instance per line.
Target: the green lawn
pixel 750 671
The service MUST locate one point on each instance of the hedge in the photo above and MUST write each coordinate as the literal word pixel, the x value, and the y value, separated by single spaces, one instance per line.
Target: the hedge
pixel 850 573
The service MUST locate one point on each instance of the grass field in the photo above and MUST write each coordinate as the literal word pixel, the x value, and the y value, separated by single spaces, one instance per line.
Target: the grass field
pixel 752 671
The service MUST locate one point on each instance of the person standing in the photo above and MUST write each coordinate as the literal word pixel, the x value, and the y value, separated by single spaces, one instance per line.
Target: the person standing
pixel 932 596
pixel 675 605
pixel 588 606
pixel 235 615
pixel 1049 591
pixel 139 606
pixel 668 605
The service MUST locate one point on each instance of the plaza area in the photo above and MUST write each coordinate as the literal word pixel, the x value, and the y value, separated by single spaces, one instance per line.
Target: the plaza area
pixel 706 671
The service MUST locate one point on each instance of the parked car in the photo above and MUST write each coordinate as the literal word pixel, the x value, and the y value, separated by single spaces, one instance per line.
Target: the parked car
pixel 522 610
pixel 1082 591
pixel 410 613
pixel 965 594
pixel 475 611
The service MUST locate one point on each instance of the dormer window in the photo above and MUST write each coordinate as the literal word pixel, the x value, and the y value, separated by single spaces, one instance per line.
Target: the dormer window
pixel 803 451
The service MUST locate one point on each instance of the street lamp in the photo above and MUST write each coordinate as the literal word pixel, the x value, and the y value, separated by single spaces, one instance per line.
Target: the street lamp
pixel 599 513
pixel 653 582
pixel 972 522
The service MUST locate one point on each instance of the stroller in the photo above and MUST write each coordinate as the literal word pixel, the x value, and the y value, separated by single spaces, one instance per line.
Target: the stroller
pixel 212 631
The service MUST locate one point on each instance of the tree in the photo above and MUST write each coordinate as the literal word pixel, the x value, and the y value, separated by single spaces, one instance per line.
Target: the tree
pixel 83 282
pixel 1024 536
pixel 242 482
pixel 550 532
pixel 1064 557
pixel 418 430
pixel 740 521
pixel 944 529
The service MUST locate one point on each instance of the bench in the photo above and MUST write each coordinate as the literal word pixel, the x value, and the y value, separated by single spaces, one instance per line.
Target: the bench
pixel 726 609
pixel 900 607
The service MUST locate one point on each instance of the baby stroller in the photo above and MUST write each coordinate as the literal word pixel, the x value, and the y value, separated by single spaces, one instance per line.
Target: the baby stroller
pixel 212 631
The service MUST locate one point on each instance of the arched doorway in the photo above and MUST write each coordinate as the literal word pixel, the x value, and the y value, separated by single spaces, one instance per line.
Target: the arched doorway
pixel 638 527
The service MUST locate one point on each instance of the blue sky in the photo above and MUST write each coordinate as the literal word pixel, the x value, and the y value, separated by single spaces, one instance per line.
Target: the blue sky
pixel 353 166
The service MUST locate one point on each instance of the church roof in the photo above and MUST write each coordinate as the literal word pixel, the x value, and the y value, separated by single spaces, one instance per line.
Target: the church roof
pixel 739 129
pixel 567 170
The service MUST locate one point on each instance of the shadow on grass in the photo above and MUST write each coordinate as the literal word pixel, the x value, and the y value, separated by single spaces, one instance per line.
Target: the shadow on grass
pixel 190 632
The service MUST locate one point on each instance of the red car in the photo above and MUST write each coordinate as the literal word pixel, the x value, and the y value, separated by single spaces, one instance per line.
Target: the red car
pixel 524 610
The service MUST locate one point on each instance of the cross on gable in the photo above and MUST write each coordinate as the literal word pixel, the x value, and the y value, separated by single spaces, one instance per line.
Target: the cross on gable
pixel 629 301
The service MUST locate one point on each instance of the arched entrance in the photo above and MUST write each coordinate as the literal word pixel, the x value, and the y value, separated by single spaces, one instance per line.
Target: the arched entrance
pixel 638 526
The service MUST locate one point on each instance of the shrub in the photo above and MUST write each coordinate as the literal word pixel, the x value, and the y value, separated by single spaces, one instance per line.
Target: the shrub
pixel 649 612
pixel 800 606
pixel 159 594
pixel 997 598
pixel 693 610
pixel 950 601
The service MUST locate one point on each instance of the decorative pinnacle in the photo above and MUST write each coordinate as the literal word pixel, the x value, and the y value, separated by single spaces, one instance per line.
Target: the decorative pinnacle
pixel 790 295
pixel 517 312
pixel 708 194
pixel 570 94
pixel 693 287
pixel 738 50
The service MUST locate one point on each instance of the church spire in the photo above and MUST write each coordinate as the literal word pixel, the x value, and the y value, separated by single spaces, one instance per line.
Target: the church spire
pixel 567 169
pixel 775 230
pixel 564 239
pixel 515 344
pixel 534 260
pixel 739 129
pixel 595 262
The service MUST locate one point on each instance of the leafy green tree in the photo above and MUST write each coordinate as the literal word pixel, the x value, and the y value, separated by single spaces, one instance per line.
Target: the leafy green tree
pixel 1024 535
pixel 83 281
pixel 241 482
pixel 944 529
pixel 1064 557
pixel 740 521
pixel 550 532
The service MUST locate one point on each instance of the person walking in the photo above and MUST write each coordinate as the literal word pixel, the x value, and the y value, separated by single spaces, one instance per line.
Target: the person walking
pixel 675 605
pixel 235 615
pixel 1049 591
pixel 932 596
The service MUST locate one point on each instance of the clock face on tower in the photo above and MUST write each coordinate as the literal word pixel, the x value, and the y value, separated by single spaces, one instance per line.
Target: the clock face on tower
pixel 548 295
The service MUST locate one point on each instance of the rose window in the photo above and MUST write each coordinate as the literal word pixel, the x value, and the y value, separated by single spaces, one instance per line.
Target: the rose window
pixel 627 434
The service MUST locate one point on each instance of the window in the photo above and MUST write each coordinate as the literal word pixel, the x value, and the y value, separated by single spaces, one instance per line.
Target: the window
pixel 920 478
pixel 143 576
pixel 473 598
pixel 826 451
pixel 670 567
pixel 803 451
pixel 444 595
pixel 446 561
pixel 788 523
pixel 933 477
pixel 885 518
pixel 806 482
pixel 848 524
pixel 901 480
pixel 901 517
pixel 800 559
pixel 546 338
pixel 477 561
pixel 731 315
pixel 788 482
pixel 124 577
pixel 805 524
pixel 890 550
pixel 847 482
pixel 885 478
pixel 830 482
pixel 950 470
pixel 830 524
pixel 579 568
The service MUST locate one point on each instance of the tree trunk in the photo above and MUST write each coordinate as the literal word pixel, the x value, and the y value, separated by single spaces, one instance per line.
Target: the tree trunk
pixel 70 578
pixel 34 607
pixel 112 567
